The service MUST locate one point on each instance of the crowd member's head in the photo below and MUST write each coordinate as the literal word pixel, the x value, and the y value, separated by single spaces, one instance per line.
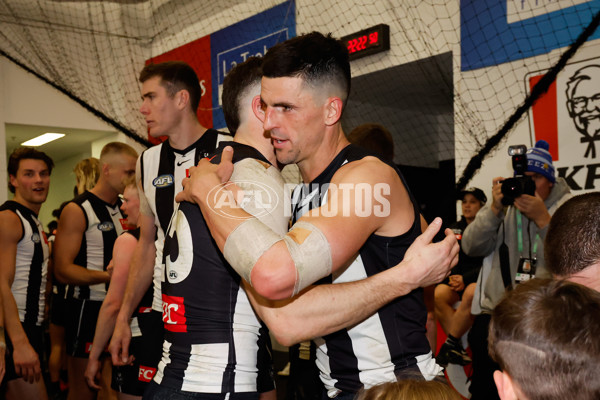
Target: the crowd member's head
pixel 131 202
pixel 27 155
pixel 410 389
pixel 545 335
pixel 375 138
pixel 240 86
pixel 472 199
pixel 305 86
pixel 86 172
pixel 571 245
pixel 540 168
pixel 117 163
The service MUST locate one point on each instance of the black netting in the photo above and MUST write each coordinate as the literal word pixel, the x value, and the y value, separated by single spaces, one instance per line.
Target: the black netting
pixel 431 88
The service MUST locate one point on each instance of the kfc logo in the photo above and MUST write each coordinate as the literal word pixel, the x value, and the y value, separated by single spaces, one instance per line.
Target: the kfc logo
pixel 145 374
pixel 174 313
pixel 568 117
pixel 583 103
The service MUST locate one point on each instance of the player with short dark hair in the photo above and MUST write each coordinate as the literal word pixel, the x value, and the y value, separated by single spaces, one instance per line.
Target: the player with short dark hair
pixel 24 257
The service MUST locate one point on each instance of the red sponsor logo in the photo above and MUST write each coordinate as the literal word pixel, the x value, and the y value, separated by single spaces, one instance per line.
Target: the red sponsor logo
pixel 144 310
pixel 187 172
pixel 88 348
pixel 125 225
pixel 174 313
pixel 145 374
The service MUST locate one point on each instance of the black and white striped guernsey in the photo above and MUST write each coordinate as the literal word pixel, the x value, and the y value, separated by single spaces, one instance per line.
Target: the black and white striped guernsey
pixel 31 266
pixel 104 223
pixel 212 335
pixel 394 338
pixel 162 169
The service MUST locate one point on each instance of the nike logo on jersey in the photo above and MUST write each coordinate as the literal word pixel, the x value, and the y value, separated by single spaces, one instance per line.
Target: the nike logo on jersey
pixel 180 163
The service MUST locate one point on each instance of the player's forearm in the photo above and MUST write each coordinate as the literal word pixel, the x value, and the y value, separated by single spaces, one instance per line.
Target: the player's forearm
pixel 73 274
pixel 324 309
pixel 12 323
pixel 139 279
pixel 104 327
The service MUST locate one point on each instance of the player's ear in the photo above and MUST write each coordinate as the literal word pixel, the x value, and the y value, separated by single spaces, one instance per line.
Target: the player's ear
pixel 13 180
pixel 182 99
pixel 505 386
pixel 257 108
pixel 333 110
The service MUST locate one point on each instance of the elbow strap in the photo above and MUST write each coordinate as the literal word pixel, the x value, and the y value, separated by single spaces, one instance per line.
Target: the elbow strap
pixel 307 245
pixel 246 244
pixel 310 252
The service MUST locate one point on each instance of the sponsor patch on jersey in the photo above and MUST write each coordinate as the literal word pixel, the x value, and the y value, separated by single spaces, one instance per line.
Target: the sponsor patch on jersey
pixel 163 181
pixel 106 226
pixel 35 237
pixel 145 374
pixel 174 313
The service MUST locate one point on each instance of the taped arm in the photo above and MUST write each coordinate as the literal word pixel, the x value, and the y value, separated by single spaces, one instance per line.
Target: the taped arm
pixel 323 309
pixel 279 267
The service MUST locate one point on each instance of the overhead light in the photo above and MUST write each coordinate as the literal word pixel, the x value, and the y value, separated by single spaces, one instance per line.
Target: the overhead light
pixel 43 139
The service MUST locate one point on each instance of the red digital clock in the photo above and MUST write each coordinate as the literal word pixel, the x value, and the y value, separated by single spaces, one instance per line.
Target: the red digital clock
pixel 368 41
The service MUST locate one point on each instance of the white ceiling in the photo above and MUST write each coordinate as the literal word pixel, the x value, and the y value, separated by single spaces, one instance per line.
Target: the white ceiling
pixel 75 141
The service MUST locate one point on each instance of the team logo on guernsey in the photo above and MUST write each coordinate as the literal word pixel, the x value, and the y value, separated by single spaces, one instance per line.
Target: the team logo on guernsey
pixel 35 238
pixel 163 181
pixel 145 374
pixel 174 313
pixel 106 226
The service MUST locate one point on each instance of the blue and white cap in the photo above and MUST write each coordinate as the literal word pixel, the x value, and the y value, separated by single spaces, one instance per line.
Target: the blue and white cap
pixel 539 160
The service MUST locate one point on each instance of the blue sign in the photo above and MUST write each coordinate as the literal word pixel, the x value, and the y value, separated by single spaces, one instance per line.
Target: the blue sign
pixel 250 37
pixel 491 36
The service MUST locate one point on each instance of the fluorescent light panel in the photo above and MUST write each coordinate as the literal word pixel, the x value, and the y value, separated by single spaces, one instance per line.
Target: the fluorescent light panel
pixel 43 139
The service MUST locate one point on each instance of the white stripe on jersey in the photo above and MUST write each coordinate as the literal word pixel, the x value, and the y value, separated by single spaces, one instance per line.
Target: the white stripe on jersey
pixel 25 250
pixel 95 246
pixel 203 365
pixel 164 361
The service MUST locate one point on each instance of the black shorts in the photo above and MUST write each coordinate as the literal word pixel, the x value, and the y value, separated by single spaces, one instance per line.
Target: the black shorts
pixel 146 347
pixel 158 392
pixel 35 335
pixel 58 312
pixel 80 326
